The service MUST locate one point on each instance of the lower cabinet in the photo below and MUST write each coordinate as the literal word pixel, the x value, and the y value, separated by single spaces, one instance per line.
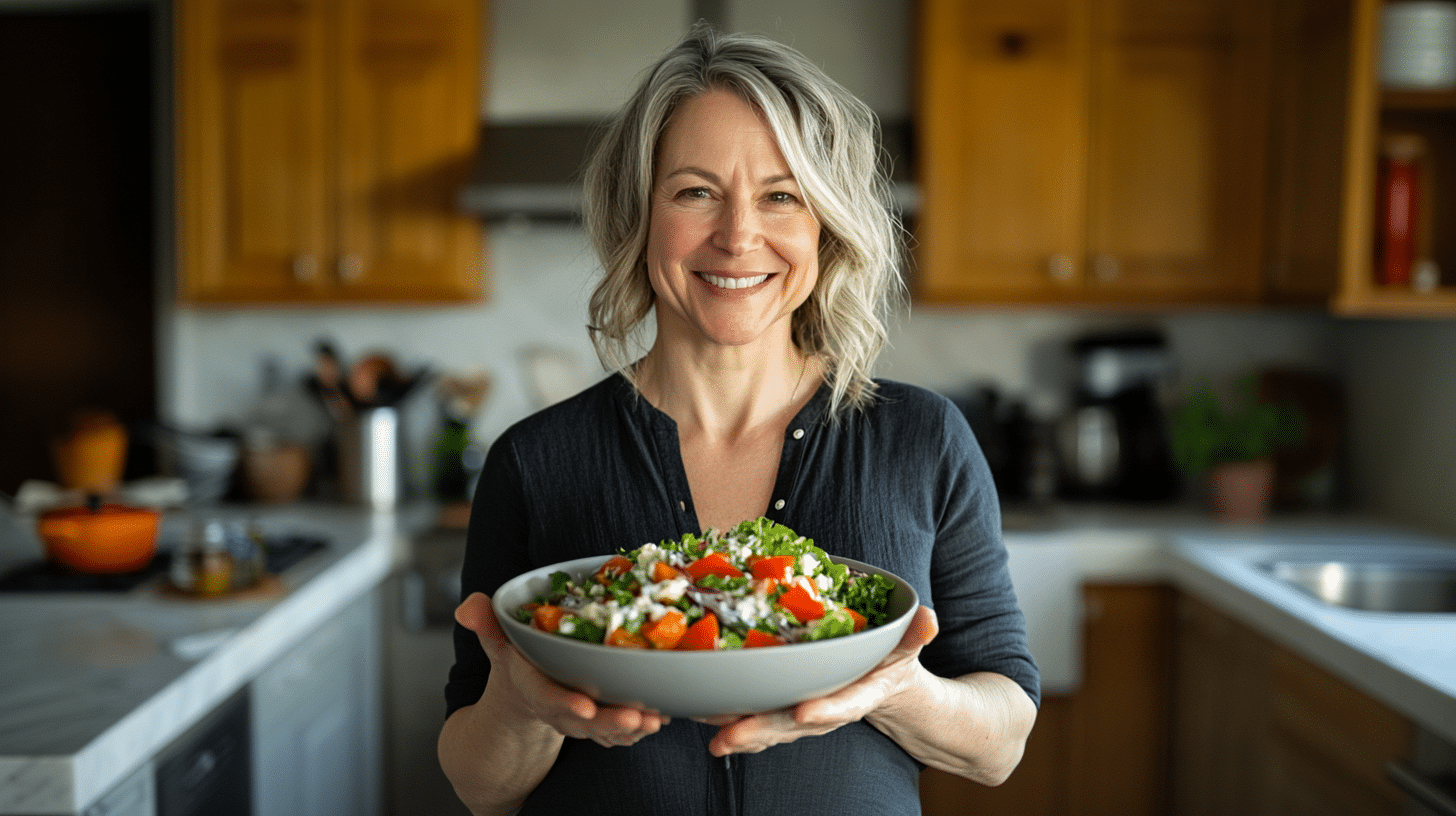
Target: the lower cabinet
pixel 1262 731
pixel 1185 711
pixel 1105 749
pixel 317 743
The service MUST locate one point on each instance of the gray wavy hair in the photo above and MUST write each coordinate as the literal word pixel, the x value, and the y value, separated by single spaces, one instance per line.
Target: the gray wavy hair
pixel 829 139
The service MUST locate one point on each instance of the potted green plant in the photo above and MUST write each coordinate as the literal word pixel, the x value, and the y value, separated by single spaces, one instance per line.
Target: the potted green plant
pixel 1231 445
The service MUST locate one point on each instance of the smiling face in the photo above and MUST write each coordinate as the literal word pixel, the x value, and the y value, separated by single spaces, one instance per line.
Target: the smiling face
pixel 732 248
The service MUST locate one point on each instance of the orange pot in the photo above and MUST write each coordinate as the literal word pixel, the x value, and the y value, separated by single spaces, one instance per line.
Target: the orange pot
pixel 109 538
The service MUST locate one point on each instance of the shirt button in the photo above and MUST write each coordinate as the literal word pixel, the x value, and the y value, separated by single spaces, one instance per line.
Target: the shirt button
pixel 798 433
pixel 779 505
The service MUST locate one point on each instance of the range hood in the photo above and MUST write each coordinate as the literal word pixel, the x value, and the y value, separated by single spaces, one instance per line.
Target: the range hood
pixel 532 171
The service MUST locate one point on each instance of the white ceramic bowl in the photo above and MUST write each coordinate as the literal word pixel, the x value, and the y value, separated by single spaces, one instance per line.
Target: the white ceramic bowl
pixel 701 684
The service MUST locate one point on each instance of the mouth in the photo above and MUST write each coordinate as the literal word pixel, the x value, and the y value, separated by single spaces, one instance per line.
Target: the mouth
pixel 733 283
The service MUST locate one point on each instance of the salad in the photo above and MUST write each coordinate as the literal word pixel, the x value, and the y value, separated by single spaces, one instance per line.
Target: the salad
pixel 759 584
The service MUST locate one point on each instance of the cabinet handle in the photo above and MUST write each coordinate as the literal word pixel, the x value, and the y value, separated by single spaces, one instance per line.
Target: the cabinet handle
pixel 1061 267
pixel 305 268
pixel 351 268
pixel 1106 268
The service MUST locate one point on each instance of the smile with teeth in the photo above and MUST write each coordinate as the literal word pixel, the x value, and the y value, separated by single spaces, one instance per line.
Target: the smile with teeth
pixel 733 283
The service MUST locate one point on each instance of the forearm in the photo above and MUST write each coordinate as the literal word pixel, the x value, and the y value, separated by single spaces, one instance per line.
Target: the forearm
pixel 973 726
pixel 495 754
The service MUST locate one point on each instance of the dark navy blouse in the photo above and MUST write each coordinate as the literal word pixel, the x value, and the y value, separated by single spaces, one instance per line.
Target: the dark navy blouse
pixel 901 484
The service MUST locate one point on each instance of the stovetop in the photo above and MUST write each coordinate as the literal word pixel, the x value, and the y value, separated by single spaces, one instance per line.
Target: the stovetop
pixel 281 552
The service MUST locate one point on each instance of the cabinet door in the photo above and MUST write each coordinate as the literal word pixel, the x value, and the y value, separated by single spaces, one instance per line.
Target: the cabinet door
pixel 1311 107
pixel 317 747
pixel 1180 110
pixel 252 148
pixel 1220 705
pixel 409 78
pixel 1328 745
pixel 1003 150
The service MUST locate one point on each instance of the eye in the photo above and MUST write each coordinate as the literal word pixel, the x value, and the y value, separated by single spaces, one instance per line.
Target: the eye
pixel 781 197
pixel 695 193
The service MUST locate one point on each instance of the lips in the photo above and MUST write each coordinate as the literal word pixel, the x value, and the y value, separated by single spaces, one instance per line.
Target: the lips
pixel 733 283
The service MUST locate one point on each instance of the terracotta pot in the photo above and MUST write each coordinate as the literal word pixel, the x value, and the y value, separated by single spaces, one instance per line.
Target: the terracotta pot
pixel 1241 491
pixel 108 538
pixel 275 474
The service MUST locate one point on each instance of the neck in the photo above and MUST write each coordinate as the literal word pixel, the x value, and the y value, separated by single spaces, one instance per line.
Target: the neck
pixel 727 392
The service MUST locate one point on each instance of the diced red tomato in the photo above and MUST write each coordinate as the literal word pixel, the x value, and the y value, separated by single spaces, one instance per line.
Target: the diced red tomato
pixel 859 620
pixel 547 617
pixel 626 640
pixel 773 566
pixel 702 635
pixel 714 563
pixel 804 606
pixel 664 572
pixel 613 569
pixel 755 639
pixel 667 631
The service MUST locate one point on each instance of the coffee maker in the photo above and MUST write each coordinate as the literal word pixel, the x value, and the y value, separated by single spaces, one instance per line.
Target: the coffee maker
pixel 1113 442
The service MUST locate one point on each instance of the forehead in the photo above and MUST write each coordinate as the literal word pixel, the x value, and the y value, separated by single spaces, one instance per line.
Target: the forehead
pixel 716 125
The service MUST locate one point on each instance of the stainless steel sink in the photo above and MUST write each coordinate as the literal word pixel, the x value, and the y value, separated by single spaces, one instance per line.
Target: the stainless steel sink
pixel 1420 585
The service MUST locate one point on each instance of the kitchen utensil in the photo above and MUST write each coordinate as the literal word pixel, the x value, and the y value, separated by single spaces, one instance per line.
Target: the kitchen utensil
pixel 328 382
pixel 100 538
pixel 370 374
pixel 92 454
pixel 700 684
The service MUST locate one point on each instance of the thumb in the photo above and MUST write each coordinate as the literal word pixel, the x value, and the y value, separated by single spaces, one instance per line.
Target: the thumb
pixel 477 614
pixel 923 628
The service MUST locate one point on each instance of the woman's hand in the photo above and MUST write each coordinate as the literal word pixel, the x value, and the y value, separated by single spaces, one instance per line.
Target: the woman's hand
pixel 526 690
pixel 899 670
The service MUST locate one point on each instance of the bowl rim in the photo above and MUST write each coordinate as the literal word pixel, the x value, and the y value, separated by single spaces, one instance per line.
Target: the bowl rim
pixel 510 625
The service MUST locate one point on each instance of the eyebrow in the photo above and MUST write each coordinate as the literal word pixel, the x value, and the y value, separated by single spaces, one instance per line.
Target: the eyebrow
pixel 713 177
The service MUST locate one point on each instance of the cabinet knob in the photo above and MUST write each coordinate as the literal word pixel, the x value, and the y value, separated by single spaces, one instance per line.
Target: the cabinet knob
pixel 351 268
pixel 1106 268
pixel 1061 268
pixel 1012 44
pixel 305 268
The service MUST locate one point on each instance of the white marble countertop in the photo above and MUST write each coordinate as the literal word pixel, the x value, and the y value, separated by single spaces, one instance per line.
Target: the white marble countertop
pixel 96 684
pixel 1405 660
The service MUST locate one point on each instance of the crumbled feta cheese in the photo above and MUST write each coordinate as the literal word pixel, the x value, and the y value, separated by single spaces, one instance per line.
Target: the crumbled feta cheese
pixel 808 564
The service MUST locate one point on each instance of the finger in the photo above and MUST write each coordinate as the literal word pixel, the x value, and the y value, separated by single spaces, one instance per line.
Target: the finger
pixel 753 734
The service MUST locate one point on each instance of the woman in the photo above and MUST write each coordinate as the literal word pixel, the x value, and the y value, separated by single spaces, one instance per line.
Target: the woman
pixel 736 199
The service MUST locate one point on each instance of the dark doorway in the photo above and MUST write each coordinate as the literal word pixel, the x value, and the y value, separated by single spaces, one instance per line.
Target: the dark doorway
pixel 77 250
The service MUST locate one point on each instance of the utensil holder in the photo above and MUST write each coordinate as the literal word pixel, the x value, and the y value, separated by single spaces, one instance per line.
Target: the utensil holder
pixel 369 458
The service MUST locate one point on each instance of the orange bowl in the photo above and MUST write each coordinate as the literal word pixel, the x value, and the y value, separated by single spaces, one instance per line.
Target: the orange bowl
pixel 111 538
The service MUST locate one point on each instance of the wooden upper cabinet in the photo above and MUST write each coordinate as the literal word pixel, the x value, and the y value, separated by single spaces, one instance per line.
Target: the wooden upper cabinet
pixel 1108 152
pixel 321 144
pixel 1331 116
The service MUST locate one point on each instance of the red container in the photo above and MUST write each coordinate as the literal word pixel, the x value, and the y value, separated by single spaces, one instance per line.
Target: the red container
pixel 1400 200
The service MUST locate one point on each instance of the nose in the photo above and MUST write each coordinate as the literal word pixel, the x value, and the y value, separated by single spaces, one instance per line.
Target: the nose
pixel 739 229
